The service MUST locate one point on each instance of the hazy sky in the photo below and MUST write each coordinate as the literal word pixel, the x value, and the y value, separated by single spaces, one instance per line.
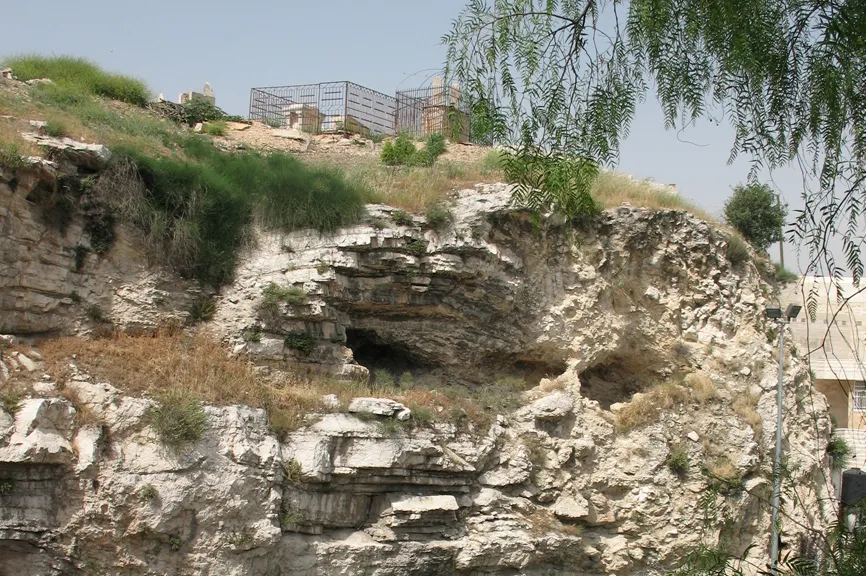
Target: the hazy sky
pixel 383 44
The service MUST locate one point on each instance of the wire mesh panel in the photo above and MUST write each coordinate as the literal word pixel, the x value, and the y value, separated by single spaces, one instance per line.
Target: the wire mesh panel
pixel 436 108
pixel 371 110
pixel 324 107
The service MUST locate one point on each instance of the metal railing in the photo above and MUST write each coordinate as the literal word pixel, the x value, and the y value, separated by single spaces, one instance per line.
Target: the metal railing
pixel 325 107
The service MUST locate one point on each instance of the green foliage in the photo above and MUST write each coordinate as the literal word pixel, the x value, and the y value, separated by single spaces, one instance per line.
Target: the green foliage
pixel 566 77
pixel 402 151
pixel 12 156
pixel 678 460
pixel 56 128
pixel 175 543
pixel 197 211
pixel 839 452
pixel 549 182
pixel 215 128
pixel 736 251
pixel 756 213
pixel 253 334
pixel 196 111
pixel 148 493
pixel 302 342
pixel 76 76
pixel 390 426
pixel 11 398
pixel 6 486
pixel 784 276
pixel 291 295
pixel 439 217
pixel 178 419
pixel 417 247
pixel 401 218
pixel 292 472
pixel 203 310
pixel 398 152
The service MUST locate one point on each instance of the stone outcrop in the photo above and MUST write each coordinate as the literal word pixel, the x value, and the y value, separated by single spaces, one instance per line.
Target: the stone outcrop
pixel 589 316
pixel 543 491
pixel 51 279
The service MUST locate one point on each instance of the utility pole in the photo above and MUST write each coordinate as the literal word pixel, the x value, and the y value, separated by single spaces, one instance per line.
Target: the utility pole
pixel 781 235
pixel 781 319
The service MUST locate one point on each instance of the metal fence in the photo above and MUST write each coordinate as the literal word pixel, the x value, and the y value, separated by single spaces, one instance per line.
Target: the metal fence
pixel 436 108
pixel 325 107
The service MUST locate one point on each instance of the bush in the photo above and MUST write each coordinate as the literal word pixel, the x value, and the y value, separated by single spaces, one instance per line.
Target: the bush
pixel 401 218
pixel 197 111
pixel 754 210
pixel 178 419
pixel 215 128
pixel 736 250
pixel 417 247
pixel 439 217
pixel 784 276
pixel 402 151
pixel 273 296
pixel 79 76
pixel 678 460
pixel 302 342
pixel 839 452
pixel 203 310
pixel 56 128
pixel 10 399
pixel 196 212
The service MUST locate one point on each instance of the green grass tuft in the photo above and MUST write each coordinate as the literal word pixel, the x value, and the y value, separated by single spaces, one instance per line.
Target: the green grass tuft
pixel 215 128
pixel 179 419
pixel 79 76
pixel 737 251
pixel 56 128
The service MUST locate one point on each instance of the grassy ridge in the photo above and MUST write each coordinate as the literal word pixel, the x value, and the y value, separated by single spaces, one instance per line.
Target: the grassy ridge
pixel 194 203
pixel 197 210
pixel 81 76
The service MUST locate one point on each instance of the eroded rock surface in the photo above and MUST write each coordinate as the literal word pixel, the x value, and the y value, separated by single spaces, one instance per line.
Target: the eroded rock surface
pixel 594 316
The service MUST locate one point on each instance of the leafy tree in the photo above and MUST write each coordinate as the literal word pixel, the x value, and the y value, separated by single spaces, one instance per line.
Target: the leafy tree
pixel 563 78
pixel 755 211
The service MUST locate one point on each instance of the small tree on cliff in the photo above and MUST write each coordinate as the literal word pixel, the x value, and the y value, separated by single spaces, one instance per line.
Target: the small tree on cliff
pixel 754 210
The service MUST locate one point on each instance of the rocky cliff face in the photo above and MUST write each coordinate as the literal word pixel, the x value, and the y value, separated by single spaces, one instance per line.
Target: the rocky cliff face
pixel 603 322
pixel 52 281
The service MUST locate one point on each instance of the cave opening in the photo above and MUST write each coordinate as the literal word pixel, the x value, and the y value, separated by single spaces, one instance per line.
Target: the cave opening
pixel 614 380
pixel 376 354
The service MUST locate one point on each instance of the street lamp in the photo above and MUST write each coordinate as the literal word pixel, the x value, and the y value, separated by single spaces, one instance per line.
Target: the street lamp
pixel 791 312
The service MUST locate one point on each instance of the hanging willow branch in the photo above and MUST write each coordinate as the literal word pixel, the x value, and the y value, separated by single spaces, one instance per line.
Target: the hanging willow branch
pixel 562 79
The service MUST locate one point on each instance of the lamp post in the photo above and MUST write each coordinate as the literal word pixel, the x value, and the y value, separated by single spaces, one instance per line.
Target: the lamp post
pixel 791 312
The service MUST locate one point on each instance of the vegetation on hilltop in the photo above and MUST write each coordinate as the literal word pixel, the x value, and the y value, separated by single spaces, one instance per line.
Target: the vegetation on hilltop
pixel 77 75
pixel 194 203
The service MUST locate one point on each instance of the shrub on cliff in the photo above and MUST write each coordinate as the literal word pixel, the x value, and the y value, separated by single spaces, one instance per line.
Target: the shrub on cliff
pixel 196 211
pixel 79 75
pixel 179 419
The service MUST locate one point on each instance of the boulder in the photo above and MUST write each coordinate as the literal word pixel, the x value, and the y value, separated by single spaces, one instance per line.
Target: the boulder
pixel 89 156
pixel 376 406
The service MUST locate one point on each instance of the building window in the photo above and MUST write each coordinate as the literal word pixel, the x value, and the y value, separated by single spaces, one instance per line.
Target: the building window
pixel 860 396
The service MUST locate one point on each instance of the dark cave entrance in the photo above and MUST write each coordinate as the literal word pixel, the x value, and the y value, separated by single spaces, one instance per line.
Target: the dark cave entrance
pixel 375 354
pixel 615 380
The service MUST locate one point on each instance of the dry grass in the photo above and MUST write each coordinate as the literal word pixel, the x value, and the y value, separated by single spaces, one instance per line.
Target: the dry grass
pixel 156 364
pixel 414 189
pixel 13 148
pixel 647 407
pixel 542 522
pixel 723 473
pixel 614 188
pixel 702 387
pixel 744 406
